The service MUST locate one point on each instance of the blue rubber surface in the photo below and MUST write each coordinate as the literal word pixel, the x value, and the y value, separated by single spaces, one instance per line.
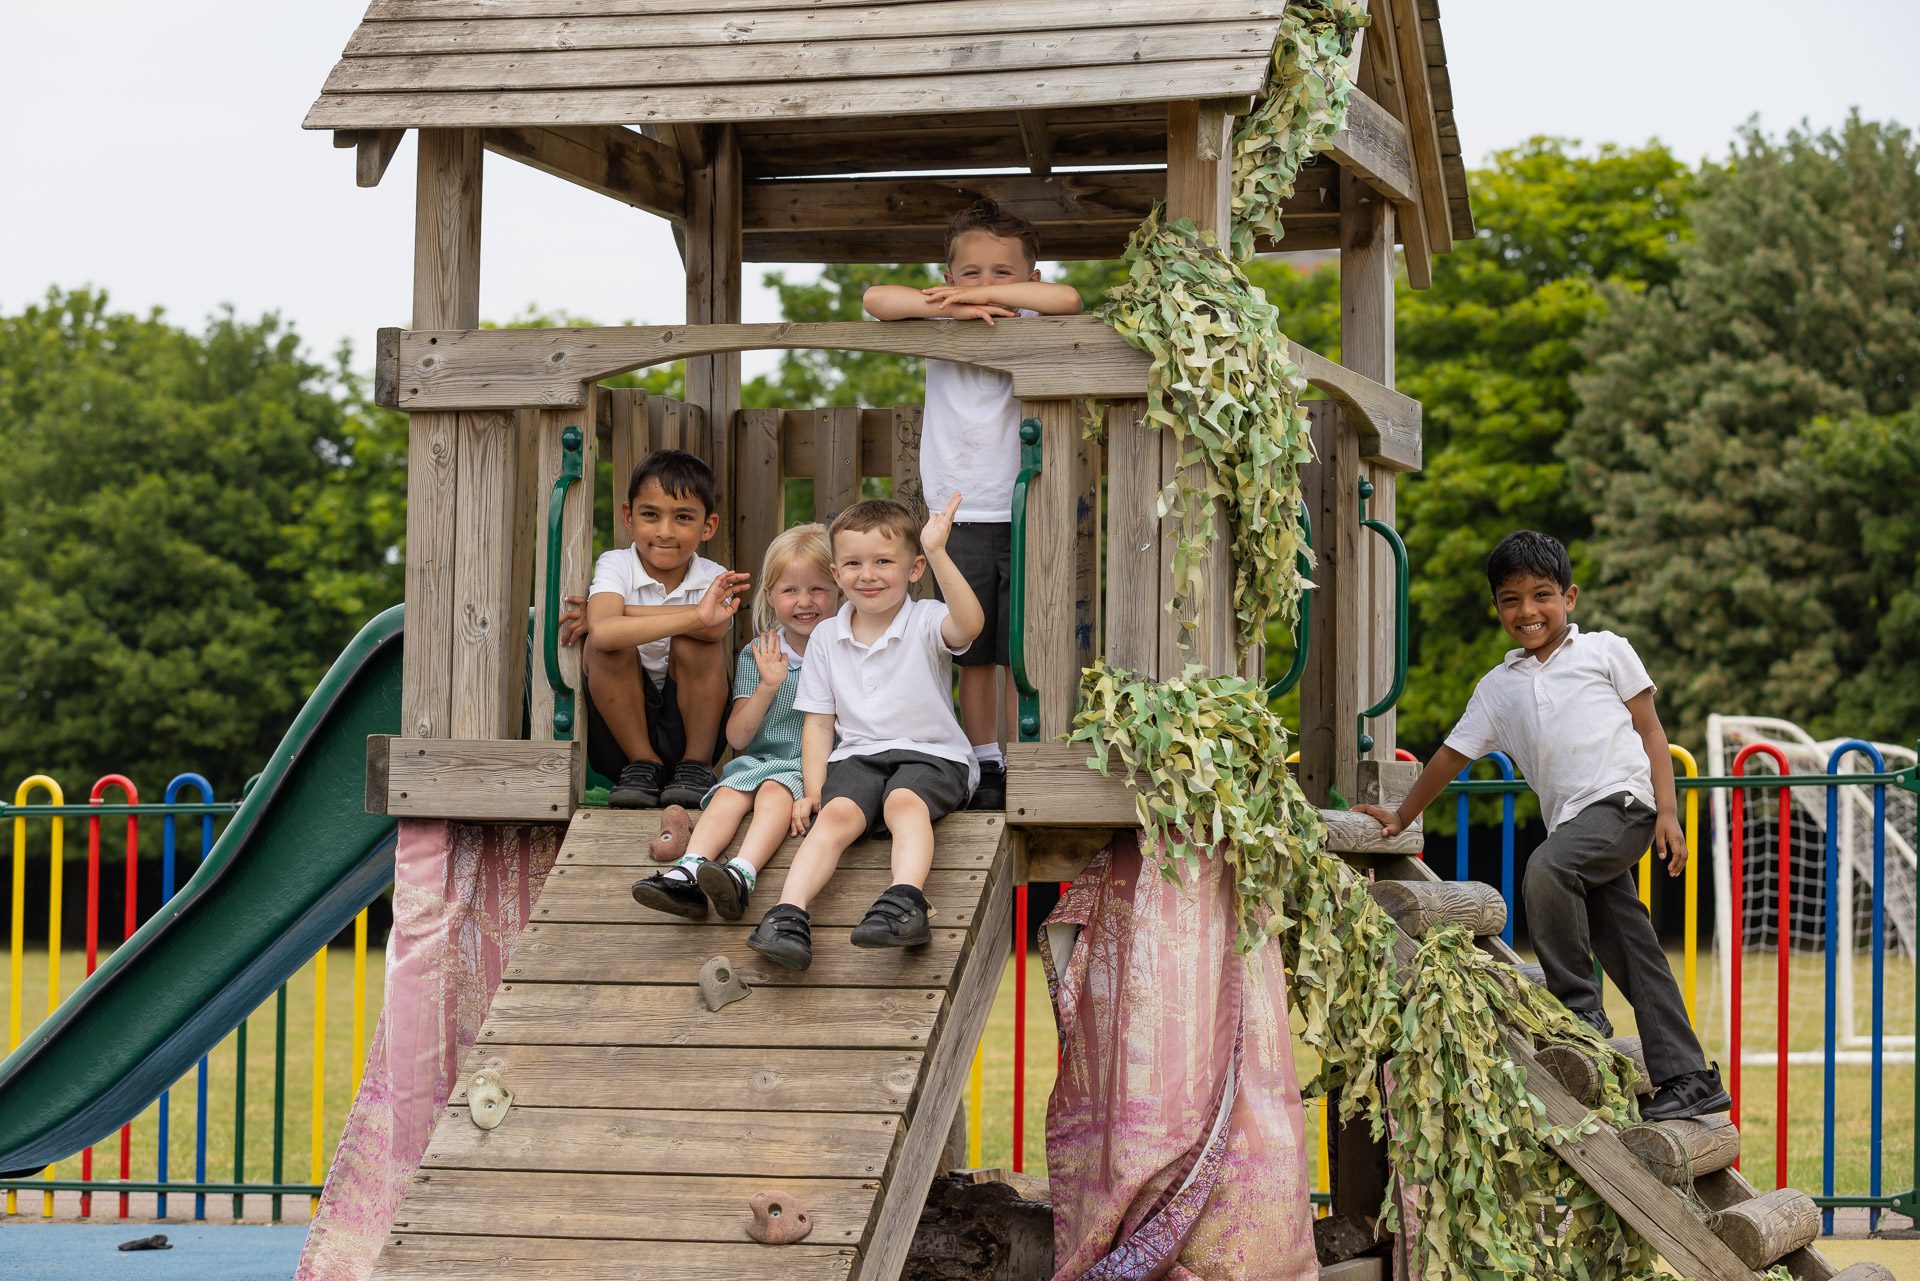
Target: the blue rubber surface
pixel 201 1252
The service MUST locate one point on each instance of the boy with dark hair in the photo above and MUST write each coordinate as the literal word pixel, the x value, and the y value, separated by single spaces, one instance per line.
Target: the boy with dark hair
pixel 878 675
pixel 970 441
pixel 1575 712
pixel 658 614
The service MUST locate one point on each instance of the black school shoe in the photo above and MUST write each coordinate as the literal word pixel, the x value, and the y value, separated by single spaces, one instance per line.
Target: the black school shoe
pixel 1596 1019
pixel 691 783
pixel 1689 1094
pixel 638 787
pixel 674 895
pixel 784 936
pixel 898 918
pixel 991 792
pixel 724 887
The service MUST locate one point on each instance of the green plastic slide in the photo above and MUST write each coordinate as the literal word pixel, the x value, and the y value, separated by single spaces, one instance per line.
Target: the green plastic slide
pixel 296 864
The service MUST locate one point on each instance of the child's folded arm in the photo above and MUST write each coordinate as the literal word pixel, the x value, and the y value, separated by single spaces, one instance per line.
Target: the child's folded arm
pixel 897 302
pixel 1025 295
pixel 614 625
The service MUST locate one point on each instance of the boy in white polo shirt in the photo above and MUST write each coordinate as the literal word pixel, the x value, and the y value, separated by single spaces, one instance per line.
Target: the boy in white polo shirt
pixel 658 614
pixel 1575 712
pixel 970 442
pixel 878 674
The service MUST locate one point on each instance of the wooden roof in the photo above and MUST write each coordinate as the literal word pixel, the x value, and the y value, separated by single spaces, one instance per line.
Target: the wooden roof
pixel 492 63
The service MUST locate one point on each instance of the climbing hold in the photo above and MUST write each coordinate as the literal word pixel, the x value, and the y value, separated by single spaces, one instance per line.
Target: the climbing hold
pixel 488 1098
pixel 676 829
pixel 777 1220
pixel 720 984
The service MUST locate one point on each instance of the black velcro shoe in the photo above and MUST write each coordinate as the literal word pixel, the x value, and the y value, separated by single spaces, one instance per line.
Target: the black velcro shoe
pixel 1689 1094
pixel 1597 1020
pixel 898 918
pixel 991 792
pixel 690 784
pixel 784 936
pixel 725 887
pixel 676 895
pixel 638 787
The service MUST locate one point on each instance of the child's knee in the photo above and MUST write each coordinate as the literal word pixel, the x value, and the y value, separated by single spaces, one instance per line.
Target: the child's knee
pixel 690 656
pixel 772 795
pixel 842 814
pixel 902 806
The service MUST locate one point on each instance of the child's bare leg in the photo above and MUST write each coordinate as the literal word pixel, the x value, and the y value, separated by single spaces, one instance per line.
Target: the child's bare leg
pixel 980 704
pixel 718 822
pixel 912 827
pixel 838 825
pixel 613 683
pixel 772 815
pixel 699 671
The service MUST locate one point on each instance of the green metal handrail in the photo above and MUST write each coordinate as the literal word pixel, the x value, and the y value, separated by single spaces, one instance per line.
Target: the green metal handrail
pixel 1302 627
pixel 1029 701
pixel 1402 581
pixel 571 461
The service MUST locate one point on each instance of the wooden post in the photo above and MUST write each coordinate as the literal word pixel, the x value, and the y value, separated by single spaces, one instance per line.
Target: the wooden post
pixel 446 295
pixel 836 461
pixel 1330 687
pixel 1133 539
pixel 1051 578
pixel 487 644
pixel 1366 347
pixel 1199 174
pixel 713 251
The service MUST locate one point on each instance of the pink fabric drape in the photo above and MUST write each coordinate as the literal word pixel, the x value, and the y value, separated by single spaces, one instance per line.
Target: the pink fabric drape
pixel 1175 1137
pixel 461 894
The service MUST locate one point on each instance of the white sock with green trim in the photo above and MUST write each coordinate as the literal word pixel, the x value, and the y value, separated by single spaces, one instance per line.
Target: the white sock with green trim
pixel 746 870
pixel 683 869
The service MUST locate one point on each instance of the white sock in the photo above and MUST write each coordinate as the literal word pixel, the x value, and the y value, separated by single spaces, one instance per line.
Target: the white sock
pixel 683 870
pixel 989 753
pixel 746 870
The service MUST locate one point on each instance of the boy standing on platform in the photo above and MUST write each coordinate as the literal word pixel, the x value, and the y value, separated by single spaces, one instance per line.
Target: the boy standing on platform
pixel 1575 712
pixel 658 614
pixel 970 442
pixel 878 674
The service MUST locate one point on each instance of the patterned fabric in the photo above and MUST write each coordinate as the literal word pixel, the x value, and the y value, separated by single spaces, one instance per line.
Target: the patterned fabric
pixel 461 894
pixel 774 754
pixel 1175 1139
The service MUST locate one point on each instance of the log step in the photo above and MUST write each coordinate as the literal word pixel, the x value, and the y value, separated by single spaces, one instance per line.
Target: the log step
pixel 1865 1272
pixel 1579 1071
pixel 1679 1151
pixel 1420 906
pixel 1533 972
pixel 1769 1227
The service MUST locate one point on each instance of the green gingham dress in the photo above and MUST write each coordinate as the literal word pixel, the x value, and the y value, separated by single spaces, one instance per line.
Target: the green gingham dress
pixel 774 753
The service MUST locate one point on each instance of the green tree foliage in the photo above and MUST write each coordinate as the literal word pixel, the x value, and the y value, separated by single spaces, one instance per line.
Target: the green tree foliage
pixel 810 379
pixel 1746 441
pixel 195 525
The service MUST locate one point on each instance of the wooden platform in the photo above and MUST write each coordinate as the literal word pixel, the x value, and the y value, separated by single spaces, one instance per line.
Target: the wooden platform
pixel 641 1123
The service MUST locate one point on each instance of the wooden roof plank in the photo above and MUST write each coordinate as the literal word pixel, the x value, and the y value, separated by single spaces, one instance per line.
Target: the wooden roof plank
pixel 814 1145
pixel 1421 126
pixel 1165 81
pixel 417 1256
pixel 658 66
pixel 596 1076
pixel 416 10
pixel 607 1014
pixel 942 20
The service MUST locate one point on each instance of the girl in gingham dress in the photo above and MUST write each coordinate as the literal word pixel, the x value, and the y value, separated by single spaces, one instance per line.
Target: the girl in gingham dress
pixel 763 779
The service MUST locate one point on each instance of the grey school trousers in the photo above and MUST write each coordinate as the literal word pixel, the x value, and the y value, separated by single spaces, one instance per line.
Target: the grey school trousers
pixel 1582 900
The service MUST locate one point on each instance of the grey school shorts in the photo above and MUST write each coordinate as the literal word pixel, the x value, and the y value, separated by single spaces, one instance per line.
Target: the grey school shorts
pixel 983 553
pixel 866 781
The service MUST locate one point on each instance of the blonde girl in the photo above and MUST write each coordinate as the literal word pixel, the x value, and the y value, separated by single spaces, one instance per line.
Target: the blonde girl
pixel 763 779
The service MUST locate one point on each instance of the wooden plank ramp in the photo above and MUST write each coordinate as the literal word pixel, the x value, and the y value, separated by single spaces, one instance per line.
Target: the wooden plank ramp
pixel 640 1123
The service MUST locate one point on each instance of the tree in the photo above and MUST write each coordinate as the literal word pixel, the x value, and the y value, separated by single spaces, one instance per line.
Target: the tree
pixel 1745 440
pixel 810 379
pixel 195 526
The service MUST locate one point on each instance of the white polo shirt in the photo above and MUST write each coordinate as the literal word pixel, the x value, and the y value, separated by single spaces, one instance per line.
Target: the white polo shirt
pixel 970 440
pixel 622 572
pixel 895 695
pixel 1564 722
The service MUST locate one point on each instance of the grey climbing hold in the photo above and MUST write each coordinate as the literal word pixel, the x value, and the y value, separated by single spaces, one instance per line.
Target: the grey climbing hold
pixel 777 1219
pixel 720 984
pixel 488 1098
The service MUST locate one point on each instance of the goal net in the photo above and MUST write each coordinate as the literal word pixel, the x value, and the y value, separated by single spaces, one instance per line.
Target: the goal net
pixel 1758 912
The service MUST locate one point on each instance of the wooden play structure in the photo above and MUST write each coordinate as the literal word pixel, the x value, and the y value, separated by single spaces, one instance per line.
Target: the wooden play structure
pixel 753 127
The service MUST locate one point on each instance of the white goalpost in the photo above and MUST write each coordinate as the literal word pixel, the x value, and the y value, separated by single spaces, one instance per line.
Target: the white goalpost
pixel 1807 884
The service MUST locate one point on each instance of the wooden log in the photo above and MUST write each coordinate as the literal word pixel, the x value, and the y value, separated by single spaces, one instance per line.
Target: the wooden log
pixel 1678 1151
pixel 1768 1227
pixel 1422 906
pixel 1865 1272
pixel 1578 1072
pixel 1723 1188
pixel 979 1231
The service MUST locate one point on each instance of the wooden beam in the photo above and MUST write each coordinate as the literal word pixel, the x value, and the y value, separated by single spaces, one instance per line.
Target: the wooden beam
pixel 608 159
pixel 1422 125
pixel 1036 142
pixel 488 644
pixel 474 780
pixel 1050 579
pixel 1330 688
pixel 713 257
pixel 1375 145
pixel 373 152
pixel 1411 223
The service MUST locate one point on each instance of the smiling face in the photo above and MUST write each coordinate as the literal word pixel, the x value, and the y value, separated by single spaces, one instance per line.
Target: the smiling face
pixel 982 258
pixel 667 530
pixel 801 596
pixel 1535 611
pixel 874 569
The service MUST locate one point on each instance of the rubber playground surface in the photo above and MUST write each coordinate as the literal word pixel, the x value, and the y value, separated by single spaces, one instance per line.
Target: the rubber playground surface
pixel 34 1250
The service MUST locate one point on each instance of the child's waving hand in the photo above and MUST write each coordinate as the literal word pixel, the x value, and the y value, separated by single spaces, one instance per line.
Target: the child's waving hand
pixel 770 657
pixel 933 538
pixel 722 600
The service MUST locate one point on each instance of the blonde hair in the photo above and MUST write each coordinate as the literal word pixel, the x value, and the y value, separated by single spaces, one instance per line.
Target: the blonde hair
pixel 806 544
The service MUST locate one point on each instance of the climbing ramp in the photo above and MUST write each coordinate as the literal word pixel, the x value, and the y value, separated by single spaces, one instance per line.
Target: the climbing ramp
pixel 640 1124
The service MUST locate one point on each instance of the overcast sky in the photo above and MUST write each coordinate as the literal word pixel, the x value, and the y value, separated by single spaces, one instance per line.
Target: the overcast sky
pixel 154 149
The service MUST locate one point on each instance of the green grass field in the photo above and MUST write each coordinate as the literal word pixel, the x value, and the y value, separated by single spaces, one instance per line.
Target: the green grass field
pixel 298 1148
